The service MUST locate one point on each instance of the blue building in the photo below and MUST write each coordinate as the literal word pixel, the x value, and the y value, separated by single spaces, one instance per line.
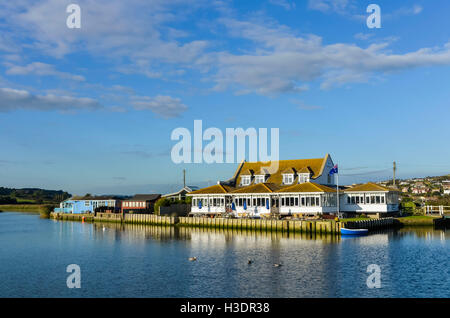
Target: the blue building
pixel 82 205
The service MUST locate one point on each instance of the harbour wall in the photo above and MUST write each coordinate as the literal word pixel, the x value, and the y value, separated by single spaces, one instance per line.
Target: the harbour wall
pixel 301 226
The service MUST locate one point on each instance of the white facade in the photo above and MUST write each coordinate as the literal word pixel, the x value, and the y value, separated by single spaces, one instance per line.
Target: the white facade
pixel 369 202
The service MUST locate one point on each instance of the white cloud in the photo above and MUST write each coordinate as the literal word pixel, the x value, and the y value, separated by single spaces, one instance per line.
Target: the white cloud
pixel 164 106
pixel 283 62
pixel 287 5
pixel 135 30
pixel 13 99
pixel 339 6
pixel 41 69
pixel 135 37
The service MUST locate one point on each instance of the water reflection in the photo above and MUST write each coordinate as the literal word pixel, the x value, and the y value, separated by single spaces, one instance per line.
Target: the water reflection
pixel 117 231
pixel 127 260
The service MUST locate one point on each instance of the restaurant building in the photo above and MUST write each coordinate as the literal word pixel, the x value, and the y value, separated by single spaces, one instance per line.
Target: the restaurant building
pixel 302 187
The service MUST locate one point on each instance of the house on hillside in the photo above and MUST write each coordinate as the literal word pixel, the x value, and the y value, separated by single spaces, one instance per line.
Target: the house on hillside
pixel 446 186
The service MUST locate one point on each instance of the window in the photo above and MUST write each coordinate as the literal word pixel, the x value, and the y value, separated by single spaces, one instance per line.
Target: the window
pixel 303 177
pixel 86 203
pixel 282 201
pixel 288 178
pixel 260 179
pixel 245 180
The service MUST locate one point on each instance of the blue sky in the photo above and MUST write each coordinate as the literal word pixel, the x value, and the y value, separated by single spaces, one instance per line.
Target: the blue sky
pixel 92 109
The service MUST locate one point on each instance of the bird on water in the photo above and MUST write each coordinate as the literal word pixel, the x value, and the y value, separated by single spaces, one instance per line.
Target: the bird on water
pixel 192 258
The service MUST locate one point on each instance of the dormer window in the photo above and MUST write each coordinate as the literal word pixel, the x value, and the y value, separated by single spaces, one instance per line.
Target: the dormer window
pixel 260 178
pixel 245 180
pixel 288 178
pixel 303 177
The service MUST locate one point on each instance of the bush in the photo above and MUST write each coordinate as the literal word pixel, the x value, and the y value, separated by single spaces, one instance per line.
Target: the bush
pixel 45 210
pixel 169 202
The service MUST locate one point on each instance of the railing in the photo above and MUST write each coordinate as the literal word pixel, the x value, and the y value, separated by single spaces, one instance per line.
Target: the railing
pixel 437 209
pixel 63 210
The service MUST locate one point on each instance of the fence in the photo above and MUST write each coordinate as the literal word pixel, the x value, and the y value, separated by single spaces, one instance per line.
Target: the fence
pixel 437 209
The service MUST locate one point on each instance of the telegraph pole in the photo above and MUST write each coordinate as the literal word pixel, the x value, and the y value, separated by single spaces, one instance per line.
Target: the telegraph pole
pixel 184 178
pixel 395 168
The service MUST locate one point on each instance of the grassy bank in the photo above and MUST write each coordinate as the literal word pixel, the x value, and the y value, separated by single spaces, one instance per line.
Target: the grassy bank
pixel 21 207
pixel 415 220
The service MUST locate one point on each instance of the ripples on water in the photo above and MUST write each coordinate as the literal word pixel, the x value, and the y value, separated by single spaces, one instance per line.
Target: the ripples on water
pixel 150 261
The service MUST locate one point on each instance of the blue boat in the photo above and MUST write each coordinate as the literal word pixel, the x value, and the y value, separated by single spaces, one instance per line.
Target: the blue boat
pixel 358 232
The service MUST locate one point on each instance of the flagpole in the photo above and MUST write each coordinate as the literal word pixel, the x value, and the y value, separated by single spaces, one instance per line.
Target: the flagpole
pixel 337 188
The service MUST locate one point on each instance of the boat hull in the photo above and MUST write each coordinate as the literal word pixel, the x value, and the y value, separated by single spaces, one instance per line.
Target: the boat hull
pixel 354 232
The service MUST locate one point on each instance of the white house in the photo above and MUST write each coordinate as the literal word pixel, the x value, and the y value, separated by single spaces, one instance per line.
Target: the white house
pixel 298 188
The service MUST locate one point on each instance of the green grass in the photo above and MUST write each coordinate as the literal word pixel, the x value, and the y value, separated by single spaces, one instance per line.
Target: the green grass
pixel 20 207
pixel 417 220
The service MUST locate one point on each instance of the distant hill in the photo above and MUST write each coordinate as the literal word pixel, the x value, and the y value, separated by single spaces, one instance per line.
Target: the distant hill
pixel 31 196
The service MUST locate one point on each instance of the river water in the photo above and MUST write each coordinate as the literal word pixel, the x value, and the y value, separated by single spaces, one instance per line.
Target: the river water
pixel 149 261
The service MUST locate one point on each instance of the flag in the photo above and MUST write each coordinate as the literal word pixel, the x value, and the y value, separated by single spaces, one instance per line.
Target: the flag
pixel 233 206
pixel 199 204
pixel 245 204
pixel 333 170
